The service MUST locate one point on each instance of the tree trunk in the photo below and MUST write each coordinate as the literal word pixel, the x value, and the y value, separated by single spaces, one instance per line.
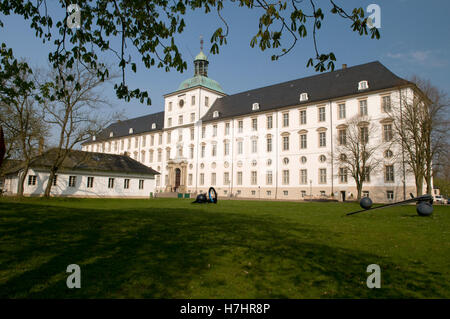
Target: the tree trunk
pixel 22 178
pixel 419 185
pixel 48 188
pixel 428 179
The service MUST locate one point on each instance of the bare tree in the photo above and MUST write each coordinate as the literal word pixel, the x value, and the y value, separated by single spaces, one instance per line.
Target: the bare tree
pixel 356 150
pixel 421 124
pixel 22 118
pixel 72 104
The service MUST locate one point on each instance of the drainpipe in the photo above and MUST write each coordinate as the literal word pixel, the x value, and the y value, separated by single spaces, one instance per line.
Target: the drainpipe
pixel 331 144
pixel 276 157
pixel 403 150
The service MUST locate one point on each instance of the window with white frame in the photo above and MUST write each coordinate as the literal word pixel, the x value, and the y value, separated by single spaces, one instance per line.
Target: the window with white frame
pixel 141 184
pixel 111 182
pixel 389 173
pixel 390 195
pixel 269 144
pixel 343 175
pixel 303 176
pixel 255 106
pixel 90 182
pixel 386 103
pixel 72 181
pixel 227 128
pixel 239 178
pixel 286 177
pixel 322 175
pixel 240 147
pixel 363 107
pixel 303 97
pixel 254 146
pixel 387 132
pixel 240 126
pixel 269 178
pixel 341 108
pixel 269 122
pixel 32 180
pixel 126 183
pixel 254 177
pixel 363 85
pixel 226 178
pixel 322 116
pixel 303 141
pixel 285 119
pixel 255 124
pixel 302 117
pixel 285 143
pixel 322 139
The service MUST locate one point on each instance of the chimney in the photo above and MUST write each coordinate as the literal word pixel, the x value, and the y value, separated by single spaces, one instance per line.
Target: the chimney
pixel 41 145
pixel 344 66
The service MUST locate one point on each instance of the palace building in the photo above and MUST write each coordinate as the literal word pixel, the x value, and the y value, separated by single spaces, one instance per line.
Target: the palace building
pixel 274 142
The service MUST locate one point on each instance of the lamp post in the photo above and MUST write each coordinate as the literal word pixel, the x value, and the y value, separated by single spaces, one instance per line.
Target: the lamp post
pixel 310 190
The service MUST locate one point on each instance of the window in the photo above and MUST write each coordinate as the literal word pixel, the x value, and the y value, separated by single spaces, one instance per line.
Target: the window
pixel 343 175
pixel 90 182
pixel 153 126
pixel 193 100
pixel 254 146
pixel 388 154
pixel 226 148
pixel 255 106
pixel 239 178
pixel 227 128
pixel 111 182
pixel 253 193
pixel 303 176
pixel 202 154
pixel 365 193
pixel 285 193
pixel 302 116
pixel 363 107
pixel 54 180
pixel 150 156
pixel 31 179
pixel 191 152
pixel 303 97
pixel 269 122
pixel 206 101
pixel 168 154
pixel 226 178
pixel 303 141
pixel 322 139
pixel 322 114
pixel 72 181
pixel 364 132
pixel 130 131
pixel 322 175
pixel 190 177
pixel 322 158
pixel 126 183
pixel 362 85
pixel 366 175
pixel 213 179
pixel 122 142
pixel 255 124
pixel 160 139
pixel 254 177
pixel 240 147
pixel 192 133
pixel 143 156
pixel 214 150
pixel 387 132
pixel 180 120
pixel 342 133
pixel 202 179
pixel 390 195
pixel 192 117
pixel 169 122
pixel 180 151
pixel 214 130
pixel 303 159
pixel 285 119
pixel 303 194
pixel 203 131
pixel 169 137
pixel 389 173
pixel 240 126
pixel 129 143
pixel 386 103
pixel 269 144
pixel 285 143
pixel 285 161
pixel 269 193
pixel 269 177
pixel 285 177
pixel 159 155
pixel 141 184
pixel 341 109
pixel 170 106
pixel 215 114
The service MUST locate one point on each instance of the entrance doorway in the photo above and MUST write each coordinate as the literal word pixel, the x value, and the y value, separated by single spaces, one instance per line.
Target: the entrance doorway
pixel 177 178
pixel 343 196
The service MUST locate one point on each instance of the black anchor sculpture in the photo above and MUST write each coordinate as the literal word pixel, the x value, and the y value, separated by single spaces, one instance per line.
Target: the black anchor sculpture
pixel 424 205
pixel 211 198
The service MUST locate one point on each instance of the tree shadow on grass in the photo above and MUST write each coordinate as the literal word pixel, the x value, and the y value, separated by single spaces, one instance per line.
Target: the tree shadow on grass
pixel 188 253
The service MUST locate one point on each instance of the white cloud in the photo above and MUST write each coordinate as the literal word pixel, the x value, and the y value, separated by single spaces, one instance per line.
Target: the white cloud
pixel 423 57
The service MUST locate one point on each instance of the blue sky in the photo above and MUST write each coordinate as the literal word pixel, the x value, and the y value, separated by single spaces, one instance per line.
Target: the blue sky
pixel 415 39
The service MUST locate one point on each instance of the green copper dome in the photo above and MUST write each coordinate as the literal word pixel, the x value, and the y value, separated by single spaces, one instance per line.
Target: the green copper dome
pixel 201 80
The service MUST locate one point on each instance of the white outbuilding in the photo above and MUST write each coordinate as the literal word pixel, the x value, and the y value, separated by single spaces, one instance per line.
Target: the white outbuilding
pixel 84 174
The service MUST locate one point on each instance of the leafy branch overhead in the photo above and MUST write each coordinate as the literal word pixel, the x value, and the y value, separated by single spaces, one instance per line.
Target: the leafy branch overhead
pixel 151 27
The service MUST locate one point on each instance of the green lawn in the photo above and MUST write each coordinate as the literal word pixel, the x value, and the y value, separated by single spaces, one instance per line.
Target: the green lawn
pixel 169 248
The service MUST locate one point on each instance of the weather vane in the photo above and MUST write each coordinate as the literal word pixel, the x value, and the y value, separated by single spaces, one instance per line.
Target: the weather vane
pixel 201 43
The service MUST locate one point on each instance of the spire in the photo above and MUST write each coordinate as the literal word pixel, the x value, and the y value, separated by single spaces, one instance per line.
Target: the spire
pixel 201 62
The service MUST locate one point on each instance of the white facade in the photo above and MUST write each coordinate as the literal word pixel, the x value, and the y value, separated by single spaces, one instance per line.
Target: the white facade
pixel 83 184
pixel 266 161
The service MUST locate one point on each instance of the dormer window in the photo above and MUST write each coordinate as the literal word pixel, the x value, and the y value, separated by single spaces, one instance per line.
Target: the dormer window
pixel 93 138
pixel 130 131
pixel 111 134
pixel 363 85
pixel 303 97
pixel 215 114
pixel 255 106
pixel 153 126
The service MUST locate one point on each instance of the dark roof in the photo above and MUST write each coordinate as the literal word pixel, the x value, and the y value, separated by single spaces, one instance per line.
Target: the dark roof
pixel 139 125
pixel 90 161
pixel 321 87
pixel 8 165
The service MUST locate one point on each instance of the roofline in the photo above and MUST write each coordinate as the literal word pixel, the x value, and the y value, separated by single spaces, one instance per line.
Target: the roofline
pixel 304 105
pixel 194 87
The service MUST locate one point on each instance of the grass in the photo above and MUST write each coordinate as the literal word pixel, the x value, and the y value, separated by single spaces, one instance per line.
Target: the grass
pixel 169 248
